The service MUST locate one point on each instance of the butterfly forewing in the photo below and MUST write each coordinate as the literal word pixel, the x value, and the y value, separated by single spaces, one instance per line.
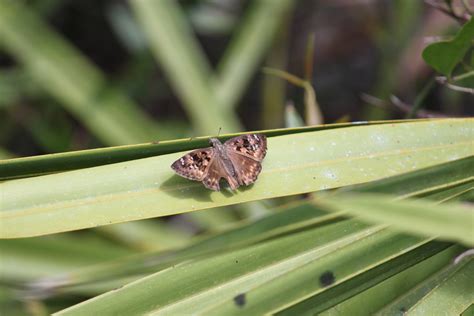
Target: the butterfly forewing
pixel 246 153
pixel 251 145
pixel 194 165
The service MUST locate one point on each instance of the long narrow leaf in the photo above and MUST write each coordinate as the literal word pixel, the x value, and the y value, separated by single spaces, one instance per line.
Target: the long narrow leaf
pixel 294 164
pixel 376 297
pixel 417 295
pixel 177 50
pixel 448 221
pixel 247 48
pixel 428 182
pixel 454 293
pixel 206 275
pixel 68 76
pixel 44 164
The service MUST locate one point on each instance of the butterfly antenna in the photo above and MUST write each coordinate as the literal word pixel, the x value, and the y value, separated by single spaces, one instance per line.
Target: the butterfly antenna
pixel 220 128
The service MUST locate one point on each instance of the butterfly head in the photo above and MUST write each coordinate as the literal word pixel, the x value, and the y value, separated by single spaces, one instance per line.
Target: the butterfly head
pixel 214 142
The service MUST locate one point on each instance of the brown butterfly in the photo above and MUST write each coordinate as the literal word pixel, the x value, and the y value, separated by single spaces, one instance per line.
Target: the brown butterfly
pixel 238 160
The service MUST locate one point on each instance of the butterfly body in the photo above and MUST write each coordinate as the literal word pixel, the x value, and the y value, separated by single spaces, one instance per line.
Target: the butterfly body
pixel 238 161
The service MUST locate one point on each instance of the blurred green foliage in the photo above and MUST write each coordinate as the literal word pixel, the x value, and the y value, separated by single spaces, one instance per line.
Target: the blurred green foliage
pixel 79 75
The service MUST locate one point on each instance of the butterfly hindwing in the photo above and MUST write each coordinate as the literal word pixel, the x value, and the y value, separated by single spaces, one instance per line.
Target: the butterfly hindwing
pixel 215 173
pixel 246 153
pixel 247 169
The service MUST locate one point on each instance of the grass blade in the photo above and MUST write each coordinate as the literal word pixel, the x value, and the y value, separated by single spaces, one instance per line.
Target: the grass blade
pixel 454 293
pixel 420 217
pixel 376 297
pixel 180 56
pixel 428 182
pixel 247 48
pixel 69 77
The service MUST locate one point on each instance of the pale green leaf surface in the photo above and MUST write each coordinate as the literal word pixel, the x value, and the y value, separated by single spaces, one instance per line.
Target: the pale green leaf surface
pixel 295 164
pixel 437 182
pixel 409 252
pixel 376 297
pixel 344 264
pixel 24 259
pixel 455 294
pixel 232 269
pixel 446 221
pixel 468 311
pixel 272 275
pixel 44 164
pixel 417 294
pixel 213 219
pixel 145 235
pixel 460 192
pixel 293 218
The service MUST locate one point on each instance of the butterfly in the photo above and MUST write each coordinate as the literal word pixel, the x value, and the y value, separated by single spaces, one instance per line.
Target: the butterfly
pixel 238 161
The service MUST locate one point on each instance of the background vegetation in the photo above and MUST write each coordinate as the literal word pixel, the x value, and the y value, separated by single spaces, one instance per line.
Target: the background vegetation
pixel 98 98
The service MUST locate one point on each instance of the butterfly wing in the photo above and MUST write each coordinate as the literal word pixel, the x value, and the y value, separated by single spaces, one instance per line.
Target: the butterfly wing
pixel 246 153
pixel 200 165
pixel 194 165
pixel 213 176
pixel 253 146
pixel 246 169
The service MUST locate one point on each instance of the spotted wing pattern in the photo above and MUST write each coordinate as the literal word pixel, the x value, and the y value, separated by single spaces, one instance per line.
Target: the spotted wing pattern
pixel 253 146
pixel 246 153
pixel 194 165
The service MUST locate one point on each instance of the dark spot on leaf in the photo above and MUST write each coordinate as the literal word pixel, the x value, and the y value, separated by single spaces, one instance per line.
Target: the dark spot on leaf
pixel 327 278
pixel 239 300
pixel 236 261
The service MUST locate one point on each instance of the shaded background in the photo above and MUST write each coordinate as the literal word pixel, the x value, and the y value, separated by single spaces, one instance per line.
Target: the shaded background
pixel 85 74
pixel 363 52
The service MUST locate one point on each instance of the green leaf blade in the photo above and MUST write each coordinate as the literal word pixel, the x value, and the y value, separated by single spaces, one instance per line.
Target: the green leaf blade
pixel 294 164
pixel 449 221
